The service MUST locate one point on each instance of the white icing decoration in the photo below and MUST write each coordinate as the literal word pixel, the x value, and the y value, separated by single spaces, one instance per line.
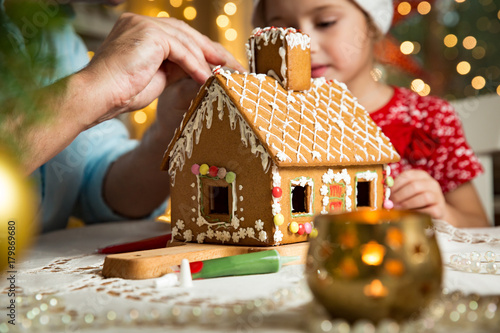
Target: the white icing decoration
pixel 241 198
pixel 193 197
pixel 278 236
pixel 210 233
pixel 188 235
pixel 193 210
pixel 236 237
pixel 276 207
pixel 235 222
pixel 201 237
pixel 226 236
pixel 180 224
pixel 243 232
pixel 183 147
pixel 240 187
pixel 175 231
pixel 193 185
pixel 262 236
pixel 271 35
pixel 259 225
pixel 201 221
pixel 250 232
pixel 323 190
pixel 241 209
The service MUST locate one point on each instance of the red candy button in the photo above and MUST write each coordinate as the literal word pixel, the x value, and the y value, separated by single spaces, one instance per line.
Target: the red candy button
pixel 277 192
pixel 302 229
pixel 213 171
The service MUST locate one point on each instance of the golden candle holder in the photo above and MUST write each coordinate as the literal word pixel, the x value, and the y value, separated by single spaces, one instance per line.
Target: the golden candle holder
pixel 374 264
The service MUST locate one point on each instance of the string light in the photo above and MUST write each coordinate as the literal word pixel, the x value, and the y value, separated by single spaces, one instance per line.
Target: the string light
pixel 230 8
pixel 478 82
pixel 222 21
pixel 176 3
pixel 140 117
pixel 407 47
pixel 404 8
pixel 463 68
pixel 424 8
pixel 162 14
pixel 479 52
pixel 190 13
pixel 417 85
pixel 450 40
pixel 469 42
pixel 231 34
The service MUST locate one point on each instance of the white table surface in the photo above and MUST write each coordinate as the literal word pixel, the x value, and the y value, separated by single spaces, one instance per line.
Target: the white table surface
pixel 63 265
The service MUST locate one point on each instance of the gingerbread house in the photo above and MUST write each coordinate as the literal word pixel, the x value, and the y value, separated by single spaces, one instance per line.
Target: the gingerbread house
pixel 259 154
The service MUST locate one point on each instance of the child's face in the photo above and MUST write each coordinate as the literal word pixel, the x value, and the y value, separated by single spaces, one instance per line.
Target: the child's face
pixel 341 46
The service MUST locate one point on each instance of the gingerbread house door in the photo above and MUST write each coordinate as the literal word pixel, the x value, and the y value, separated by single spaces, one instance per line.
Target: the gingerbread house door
pixel 336 197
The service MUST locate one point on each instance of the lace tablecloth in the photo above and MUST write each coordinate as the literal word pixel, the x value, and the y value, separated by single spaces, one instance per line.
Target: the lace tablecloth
pixel 63 272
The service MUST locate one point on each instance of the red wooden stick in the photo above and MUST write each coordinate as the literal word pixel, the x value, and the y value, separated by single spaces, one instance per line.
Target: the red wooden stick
pixel 144 244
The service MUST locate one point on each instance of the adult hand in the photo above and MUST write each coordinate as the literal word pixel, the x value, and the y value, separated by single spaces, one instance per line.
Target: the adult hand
pixel 417 190
pixel 142 55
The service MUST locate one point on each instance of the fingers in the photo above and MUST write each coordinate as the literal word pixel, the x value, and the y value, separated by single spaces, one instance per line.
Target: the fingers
pixel 417 190
pixel 231 61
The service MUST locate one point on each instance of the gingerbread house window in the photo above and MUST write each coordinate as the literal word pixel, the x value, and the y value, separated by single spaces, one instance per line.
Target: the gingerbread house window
pixel 301 200
pixel 216 199
pixel 366 189
pixel 363 193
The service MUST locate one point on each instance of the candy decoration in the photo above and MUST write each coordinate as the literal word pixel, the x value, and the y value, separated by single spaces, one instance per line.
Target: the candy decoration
pixel 212 171
pixel 230 177
pixel 204 169
pixel 277 192
pixel 279 219
pixel 302 229
pixel 314 233
pixel 222 173
pixel 294 227
pixel 195 169
pixel 388 204
pixel 308 227
pixel 389 181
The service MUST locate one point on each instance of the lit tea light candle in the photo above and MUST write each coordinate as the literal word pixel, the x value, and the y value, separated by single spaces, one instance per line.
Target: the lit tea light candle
pixel 372 253
pixel 375 289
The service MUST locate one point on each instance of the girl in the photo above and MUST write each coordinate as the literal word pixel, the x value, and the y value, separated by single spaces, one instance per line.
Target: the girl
pixel 437 165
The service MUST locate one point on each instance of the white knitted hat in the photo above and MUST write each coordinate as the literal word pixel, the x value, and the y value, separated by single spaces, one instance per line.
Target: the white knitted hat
pixel 381 12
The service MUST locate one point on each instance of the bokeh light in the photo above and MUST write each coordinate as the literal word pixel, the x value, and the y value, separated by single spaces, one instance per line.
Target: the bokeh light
pixel 406 47
pixel 231 34
pixel 140 117
pixel 450 40
pixel 222 21
pixel 424 8
pixel 404 8
pixel 498 90
pixel 162 14
pixel 469 42
pixel 417 85
pixel 478 82
pixel 479 52
pixel 230 8
pixel 190 13
pixel 463 68
pixel 176 3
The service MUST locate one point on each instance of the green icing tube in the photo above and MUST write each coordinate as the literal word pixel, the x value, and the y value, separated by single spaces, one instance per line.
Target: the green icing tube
pixel 260 262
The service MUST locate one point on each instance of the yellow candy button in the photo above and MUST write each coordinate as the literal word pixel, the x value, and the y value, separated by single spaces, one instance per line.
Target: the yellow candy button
pixel 204 169
pixel 294 227
pixel 279 219
pixel 314 233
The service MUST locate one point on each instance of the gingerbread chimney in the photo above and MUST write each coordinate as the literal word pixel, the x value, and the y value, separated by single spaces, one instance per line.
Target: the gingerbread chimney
pixel 284 54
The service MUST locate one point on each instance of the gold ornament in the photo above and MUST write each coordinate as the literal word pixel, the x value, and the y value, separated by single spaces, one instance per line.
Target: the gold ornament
pixel 17 213
pixel 374 264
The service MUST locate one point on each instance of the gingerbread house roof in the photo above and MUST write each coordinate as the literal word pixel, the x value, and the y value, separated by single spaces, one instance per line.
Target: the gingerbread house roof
pixel 322 126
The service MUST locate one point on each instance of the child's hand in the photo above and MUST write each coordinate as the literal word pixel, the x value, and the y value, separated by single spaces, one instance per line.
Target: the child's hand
pixel 416 189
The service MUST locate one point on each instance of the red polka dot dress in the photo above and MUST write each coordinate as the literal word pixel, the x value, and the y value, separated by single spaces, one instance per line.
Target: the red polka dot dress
pixel 428 134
